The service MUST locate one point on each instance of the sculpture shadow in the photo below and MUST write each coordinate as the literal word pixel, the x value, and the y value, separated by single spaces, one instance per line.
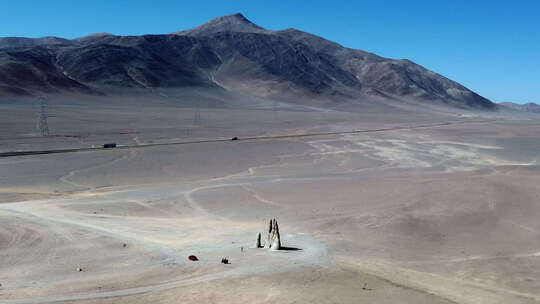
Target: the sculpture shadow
pixel 284 248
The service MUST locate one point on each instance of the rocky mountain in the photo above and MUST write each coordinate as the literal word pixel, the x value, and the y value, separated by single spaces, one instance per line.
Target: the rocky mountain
pixel 530 107
pixel 229 52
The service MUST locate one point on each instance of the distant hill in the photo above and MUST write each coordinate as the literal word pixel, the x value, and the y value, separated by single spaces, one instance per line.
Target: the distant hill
pixel 530 107
pixel 229 52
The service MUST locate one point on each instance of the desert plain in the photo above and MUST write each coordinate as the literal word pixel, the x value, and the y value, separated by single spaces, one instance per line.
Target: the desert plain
pixel 376 203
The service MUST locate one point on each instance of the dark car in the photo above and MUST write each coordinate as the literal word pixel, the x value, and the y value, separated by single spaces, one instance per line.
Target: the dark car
pixel 108 146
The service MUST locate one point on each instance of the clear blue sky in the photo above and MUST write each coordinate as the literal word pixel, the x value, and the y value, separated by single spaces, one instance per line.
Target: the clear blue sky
pixel 492 47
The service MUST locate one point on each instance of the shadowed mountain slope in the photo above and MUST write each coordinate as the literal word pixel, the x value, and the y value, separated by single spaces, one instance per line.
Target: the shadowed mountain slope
pixel 229 52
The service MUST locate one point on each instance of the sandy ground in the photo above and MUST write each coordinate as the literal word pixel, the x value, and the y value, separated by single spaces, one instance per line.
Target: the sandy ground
pixel 446 214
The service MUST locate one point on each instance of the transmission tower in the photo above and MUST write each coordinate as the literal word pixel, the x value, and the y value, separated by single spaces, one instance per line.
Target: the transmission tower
pixel 42 116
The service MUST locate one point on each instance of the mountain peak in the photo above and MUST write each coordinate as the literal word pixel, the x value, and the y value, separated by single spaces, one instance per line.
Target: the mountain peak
pixel 234 18
pixel 229 23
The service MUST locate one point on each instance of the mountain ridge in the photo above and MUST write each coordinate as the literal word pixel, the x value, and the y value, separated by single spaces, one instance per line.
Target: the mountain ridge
pixel 229 52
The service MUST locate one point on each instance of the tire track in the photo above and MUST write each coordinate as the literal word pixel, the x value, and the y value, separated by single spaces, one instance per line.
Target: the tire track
pixel 254 138
pixel 65 178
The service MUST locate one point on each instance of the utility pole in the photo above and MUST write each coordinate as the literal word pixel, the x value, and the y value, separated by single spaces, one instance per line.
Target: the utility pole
pixel 196 121
pixel 42 116
pixel 274 109
pixel 197 116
